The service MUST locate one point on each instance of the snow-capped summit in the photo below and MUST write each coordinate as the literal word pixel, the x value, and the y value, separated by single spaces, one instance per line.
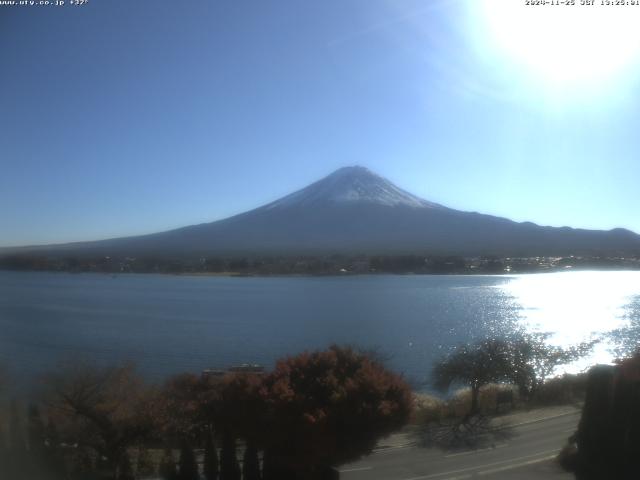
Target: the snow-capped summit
pixel 351 185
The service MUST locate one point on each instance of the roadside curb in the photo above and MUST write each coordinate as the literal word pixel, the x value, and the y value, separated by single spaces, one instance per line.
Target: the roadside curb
pixel 384 448
pixel 538 420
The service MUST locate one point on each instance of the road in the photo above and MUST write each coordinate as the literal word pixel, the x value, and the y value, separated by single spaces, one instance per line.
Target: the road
pixel 526 454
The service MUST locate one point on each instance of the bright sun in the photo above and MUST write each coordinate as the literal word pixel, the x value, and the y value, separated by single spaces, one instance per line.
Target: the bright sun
pixel 561 44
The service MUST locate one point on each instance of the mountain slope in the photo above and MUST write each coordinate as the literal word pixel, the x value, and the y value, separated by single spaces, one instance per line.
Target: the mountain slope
pixel 356 211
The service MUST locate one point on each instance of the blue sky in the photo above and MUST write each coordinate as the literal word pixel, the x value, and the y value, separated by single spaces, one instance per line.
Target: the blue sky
pixel 120 117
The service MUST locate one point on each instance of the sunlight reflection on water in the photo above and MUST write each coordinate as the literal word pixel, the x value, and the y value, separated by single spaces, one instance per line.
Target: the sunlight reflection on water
pixel 168 324
pixel 580 306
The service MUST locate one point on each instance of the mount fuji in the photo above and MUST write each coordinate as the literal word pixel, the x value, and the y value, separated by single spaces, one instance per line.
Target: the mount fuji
pixel 353 210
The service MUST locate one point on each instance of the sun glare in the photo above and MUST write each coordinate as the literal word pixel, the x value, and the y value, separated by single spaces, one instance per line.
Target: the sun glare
pixel 575 306
pixel 559 44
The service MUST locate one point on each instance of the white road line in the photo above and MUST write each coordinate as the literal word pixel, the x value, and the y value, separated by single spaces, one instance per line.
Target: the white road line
pixel 517 465
pixel 471 452
pixel 383 451
pixel 540 420
pixel 478 467
pixel 357 469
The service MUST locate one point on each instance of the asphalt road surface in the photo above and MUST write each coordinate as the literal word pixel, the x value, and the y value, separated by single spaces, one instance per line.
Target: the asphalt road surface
pixel 526 453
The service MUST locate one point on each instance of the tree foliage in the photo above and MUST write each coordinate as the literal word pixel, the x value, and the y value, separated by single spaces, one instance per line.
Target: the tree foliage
pixel 188 466
pixel 229 466
pixel 533 360
pixel 474 365
pixel 251 463
pixel 329 407
pixel 105 410
pixel 185 406
pixel 125 469
pixel 167 468
pixel 313 411
pixel 526 360
pixel 607 442
pixel 211 465
pixel 241 407
pixel 145 467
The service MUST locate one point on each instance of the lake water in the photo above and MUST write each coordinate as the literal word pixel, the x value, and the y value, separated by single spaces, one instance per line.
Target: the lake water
pixel 168 324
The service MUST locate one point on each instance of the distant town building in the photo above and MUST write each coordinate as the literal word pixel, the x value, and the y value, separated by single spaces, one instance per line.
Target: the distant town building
pixel 253 368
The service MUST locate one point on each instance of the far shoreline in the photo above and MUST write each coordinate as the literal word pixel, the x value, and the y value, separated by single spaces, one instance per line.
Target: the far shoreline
pixel 328 275
pixel 334 265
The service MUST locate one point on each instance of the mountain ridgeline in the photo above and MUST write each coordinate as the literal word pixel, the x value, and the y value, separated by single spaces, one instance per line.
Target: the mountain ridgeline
pixel 355 211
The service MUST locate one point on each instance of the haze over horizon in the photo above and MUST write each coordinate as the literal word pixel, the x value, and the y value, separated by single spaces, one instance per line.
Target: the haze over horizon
pixel 190 115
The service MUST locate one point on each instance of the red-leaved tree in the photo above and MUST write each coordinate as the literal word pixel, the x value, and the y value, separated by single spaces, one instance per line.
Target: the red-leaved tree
pixel 329 407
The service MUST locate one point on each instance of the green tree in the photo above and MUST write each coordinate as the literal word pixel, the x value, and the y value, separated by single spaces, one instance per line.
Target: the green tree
pixel 242 410
pixel 607 442
pixel 474 365
pixel 188 466
pixel 167 468
pixel 144 464
pixel 229 467
pixel 210 459
pixel 125 470
pixel 251 463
